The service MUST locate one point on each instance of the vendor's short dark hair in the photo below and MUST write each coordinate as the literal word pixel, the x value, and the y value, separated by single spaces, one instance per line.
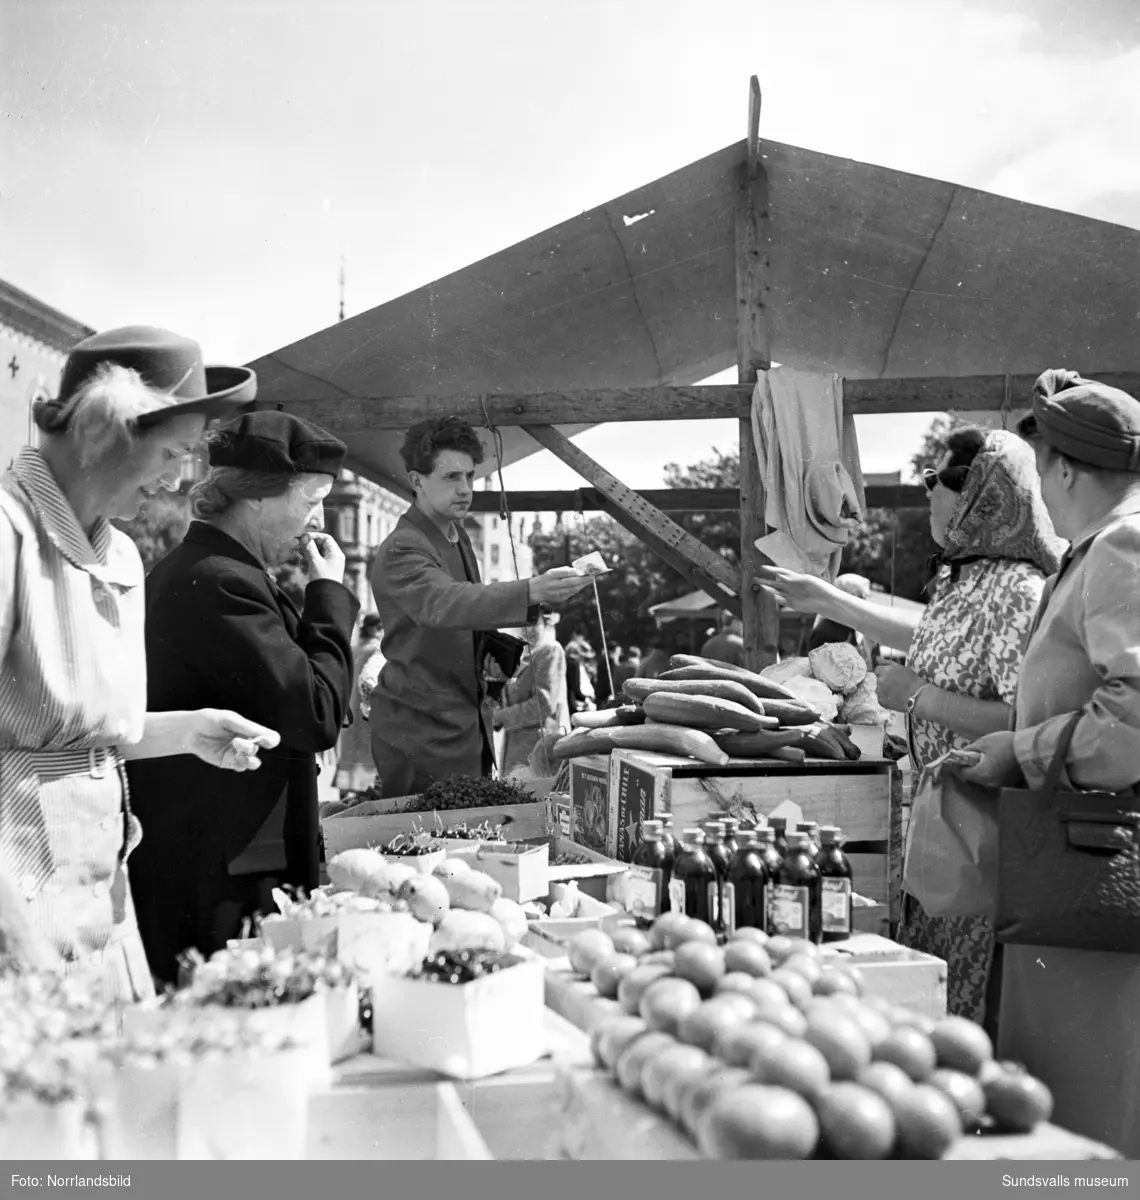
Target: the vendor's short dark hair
pixel 424 441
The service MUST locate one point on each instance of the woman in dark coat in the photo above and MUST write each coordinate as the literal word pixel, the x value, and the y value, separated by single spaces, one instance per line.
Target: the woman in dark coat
pixel 218 626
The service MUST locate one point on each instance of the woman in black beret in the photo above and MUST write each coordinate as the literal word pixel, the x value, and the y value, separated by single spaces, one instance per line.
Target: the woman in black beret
pixel 219 626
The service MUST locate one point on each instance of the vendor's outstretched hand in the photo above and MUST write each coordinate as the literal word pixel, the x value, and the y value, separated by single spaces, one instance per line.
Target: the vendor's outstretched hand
pixel 998 767
pixel 555 587
pixel 800 593
pixel 225 739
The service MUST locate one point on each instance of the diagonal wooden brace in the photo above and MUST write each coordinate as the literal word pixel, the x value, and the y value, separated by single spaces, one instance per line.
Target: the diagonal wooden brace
pixel 701 566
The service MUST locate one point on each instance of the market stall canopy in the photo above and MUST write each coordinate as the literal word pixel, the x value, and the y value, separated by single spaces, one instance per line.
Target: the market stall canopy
pixel 694 604
pixel 873 273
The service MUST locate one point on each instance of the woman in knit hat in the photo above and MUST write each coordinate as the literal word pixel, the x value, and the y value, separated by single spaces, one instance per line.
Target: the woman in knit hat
pixel 1071 1015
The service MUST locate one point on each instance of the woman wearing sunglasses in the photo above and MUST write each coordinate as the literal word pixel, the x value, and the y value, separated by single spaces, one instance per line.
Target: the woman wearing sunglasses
pixel 996 548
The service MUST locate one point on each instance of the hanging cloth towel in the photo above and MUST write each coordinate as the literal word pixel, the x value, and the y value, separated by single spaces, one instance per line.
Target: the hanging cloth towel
pixel 809 462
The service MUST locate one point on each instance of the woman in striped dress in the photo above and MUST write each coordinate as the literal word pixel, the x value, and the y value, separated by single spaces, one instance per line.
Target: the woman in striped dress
pixel 132 403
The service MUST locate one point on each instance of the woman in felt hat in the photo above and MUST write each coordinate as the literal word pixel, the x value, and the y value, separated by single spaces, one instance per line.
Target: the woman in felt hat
pixel 534 701
pixel 220 631
pixel 132 402
pixel 1073 1016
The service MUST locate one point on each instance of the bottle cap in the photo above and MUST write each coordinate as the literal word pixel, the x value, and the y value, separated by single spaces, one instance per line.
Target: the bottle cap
pixel 692 835
pixel 830 835
pixel 651 829
pixel 780 823
pixel 765 833
pixel 809 827
pixel 798 841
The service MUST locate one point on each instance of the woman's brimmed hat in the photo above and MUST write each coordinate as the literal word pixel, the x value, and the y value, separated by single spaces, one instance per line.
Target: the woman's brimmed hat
pixel 166 362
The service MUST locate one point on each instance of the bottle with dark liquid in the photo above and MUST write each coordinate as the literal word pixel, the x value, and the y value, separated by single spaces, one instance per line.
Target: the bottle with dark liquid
pixel 747 884
pixel 721 858
pixel 779 826
pixel 694 878
pixel 649 873
pixel 835 870
pixel 795 908
pixel 667 837
pixel 811 828
pixel 732 837
pixel 771 856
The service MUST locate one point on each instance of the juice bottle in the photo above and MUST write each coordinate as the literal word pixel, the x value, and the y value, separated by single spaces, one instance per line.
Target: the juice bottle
pixel 731 834
pixel 748 885
pixel 649 873
pixel 721 858
pixel 779 826
pixel 667 837
pixel 811 828
pixel 795 908
pixel 694 878
pixel 836 885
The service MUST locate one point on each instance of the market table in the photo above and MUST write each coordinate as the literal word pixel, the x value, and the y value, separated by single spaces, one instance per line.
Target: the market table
pixel 559 1107
pixel 378 1109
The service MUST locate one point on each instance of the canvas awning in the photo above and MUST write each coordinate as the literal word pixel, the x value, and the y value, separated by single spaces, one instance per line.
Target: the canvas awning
pixel 873 272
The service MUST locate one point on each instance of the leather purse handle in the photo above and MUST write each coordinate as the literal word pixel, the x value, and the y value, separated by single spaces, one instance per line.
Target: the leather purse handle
pixel 1063 743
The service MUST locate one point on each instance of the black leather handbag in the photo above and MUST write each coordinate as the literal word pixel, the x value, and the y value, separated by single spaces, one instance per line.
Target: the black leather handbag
pixel 1068 865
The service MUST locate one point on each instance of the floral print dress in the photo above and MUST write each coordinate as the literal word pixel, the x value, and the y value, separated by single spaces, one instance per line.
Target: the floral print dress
pixel 970 641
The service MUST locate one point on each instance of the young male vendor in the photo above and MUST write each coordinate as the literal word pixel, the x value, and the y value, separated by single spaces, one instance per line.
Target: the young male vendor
pixel 427 716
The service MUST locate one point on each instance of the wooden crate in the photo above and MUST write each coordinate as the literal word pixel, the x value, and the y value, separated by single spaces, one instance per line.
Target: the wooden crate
pixel 590 801
pixel 593 876
pixel 365 826
pixel 861 797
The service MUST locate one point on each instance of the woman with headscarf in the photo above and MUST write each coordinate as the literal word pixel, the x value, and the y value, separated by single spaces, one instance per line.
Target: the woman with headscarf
pixel 73 695
pixel 964 651
pixel 534 700
pixel 1072 1016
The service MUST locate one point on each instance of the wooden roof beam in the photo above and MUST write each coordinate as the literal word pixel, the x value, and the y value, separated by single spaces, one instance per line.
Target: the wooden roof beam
pixel 675 500
pixel 968 393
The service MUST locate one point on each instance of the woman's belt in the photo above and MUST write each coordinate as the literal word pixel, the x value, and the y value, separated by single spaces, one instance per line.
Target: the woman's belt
pixel 96 761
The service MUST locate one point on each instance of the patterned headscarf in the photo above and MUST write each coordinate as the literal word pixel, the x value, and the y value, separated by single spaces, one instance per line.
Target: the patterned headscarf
pixel 1000 513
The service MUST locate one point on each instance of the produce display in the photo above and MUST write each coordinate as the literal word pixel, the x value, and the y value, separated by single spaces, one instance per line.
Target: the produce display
pixel 713 712
pixel 465 906
pixel 835 679
pixel 758 1050
pixel 459 966
pixel 262 978
pixel 467 791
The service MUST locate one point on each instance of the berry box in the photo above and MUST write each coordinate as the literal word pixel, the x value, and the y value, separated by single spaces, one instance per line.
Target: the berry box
pixel 522 871
pixel 466 1031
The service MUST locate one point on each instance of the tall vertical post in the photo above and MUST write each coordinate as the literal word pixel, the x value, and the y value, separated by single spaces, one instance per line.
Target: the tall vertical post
pixel 761 616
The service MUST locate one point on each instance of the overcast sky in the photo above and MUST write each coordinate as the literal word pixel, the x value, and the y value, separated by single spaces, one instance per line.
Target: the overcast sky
pixel 201 164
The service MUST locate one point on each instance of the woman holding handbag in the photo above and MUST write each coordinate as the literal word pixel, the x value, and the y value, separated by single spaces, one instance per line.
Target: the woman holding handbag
pixel 1072 1015
pixel 997 546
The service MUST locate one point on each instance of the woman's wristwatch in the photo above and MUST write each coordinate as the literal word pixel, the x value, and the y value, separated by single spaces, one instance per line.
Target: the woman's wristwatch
pixel 912 703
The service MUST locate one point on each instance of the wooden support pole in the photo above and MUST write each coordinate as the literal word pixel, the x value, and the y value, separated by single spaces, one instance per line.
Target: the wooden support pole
pixel 761 618
pixel 702 567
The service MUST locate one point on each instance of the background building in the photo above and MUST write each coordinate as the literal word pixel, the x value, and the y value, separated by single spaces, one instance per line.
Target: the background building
pixel 34 343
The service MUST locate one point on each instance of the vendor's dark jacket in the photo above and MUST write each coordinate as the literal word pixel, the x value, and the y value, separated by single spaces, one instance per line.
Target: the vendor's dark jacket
pixel 221 634
pixel 427 718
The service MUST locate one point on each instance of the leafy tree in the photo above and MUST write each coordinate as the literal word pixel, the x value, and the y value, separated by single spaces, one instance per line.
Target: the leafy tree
pixel 636 580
